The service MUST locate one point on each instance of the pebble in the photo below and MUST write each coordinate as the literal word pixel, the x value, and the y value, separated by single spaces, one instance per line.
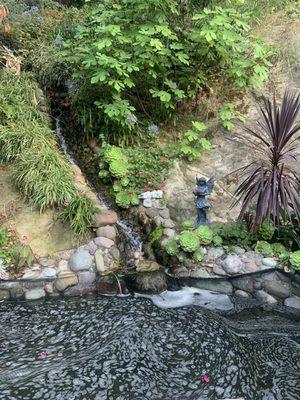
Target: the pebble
pixel 147 203
pixel 81 260
pixel 242 294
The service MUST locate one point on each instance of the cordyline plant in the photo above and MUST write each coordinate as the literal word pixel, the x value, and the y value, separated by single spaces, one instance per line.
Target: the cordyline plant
pixel 272 180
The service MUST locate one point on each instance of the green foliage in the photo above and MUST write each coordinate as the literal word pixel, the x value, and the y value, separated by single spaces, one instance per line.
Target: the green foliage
pixel 7 244
pixel 191 143
pixel 226 113
pixel 217 240
pixel 198 256
pixel 264 248
pixel 157 234
pixel 125 199
pixel 171 247
pixel 188 225
pixel 280 251
pixel 205 235
pixel 233 233
pixel 295 259
pixel 138 62
pixel 188 241
pixel 266 230
pixel 79 212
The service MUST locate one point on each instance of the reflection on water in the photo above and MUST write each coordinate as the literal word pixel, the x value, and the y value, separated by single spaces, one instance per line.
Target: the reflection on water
pixel 128 349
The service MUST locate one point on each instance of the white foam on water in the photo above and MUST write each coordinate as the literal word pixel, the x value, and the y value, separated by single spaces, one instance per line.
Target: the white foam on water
pixel 190 296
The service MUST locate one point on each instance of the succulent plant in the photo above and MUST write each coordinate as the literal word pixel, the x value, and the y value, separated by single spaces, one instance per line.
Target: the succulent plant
pixel 264 248
pixel 118 168
pixel 188 224
pixel 266 230
pixel 295 259
pixel 280 251
pixel 217 240
pixel 189 241
pixel 198 256
pixel 171 247
pixel 113 153
pixel 205 234
pixel 181 256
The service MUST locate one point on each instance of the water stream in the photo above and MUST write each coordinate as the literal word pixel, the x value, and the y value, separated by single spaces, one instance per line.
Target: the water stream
pixel 134 240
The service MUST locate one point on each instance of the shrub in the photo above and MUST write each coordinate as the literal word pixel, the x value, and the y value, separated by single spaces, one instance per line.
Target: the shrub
pixel 138 62
pixel 188 241
pixel 280 251
pixel 171 247
pixel 205 235
pixel 79 212
pixel 271 182
pixel 295 259
pixel 264 248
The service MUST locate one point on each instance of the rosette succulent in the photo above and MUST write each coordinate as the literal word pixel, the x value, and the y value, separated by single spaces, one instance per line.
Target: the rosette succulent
pixel 118 168
pixel 171 247
pixel 205 234
pixel 188 241
pixel 198 256
pixel 217 240
pixel 280 251
pixel 264 248
pixel 266 230
pixel 188 225
pixel 295 259
pixel 113 153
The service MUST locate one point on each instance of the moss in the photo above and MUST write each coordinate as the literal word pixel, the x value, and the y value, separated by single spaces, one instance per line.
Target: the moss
pixel 172 247
pixel 189 241
pixel 266 230
pixel 295 259
pixel 264 248
pixel 156 234
pixel 205 235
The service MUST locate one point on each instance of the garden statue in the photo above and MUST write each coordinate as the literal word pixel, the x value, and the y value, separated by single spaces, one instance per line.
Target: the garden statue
pixel 203 189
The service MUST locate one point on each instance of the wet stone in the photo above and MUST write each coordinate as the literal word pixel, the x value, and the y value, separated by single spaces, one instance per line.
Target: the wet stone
pixel 64 280
pixel 35 294
pixel 104 242
pixel 265 297
pixel 278 289
pixel 86 277
pixel 242 294
pixel 245 283
pixel 269 262
pixel 219 270
pixel 293 302
pixel 49 288
pixel 79 290
pixel 107 231
pixel 4 294
pixel 17 292
pixel 80 261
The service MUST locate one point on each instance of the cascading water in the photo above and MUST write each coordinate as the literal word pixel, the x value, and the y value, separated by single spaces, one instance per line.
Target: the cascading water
pixel 134 240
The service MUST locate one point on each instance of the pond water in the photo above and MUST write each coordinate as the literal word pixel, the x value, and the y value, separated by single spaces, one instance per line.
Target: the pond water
pixel 129 349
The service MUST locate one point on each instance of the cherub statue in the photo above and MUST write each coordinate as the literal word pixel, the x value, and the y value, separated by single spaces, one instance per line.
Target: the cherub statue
pixel 203 189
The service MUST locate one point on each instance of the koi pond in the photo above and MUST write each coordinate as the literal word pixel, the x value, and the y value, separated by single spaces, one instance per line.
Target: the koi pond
pixel 129 349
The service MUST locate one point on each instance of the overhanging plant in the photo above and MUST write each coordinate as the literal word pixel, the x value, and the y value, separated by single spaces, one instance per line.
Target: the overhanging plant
pixel 271 181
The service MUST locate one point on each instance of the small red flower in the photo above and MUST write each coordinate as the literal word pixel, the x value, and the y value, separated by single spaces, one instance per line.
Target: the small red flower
pixel 165 158
pixel 10 228
pixel 66 203
pixel 4 247
pixel 204 378
pixel 24 238
pixel 43 354
pixel 66 104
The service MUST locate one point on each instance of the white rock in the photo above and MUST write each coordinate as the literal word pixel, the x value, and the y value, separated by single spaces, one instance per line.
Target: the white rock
pixel 269 262
pixel 147 203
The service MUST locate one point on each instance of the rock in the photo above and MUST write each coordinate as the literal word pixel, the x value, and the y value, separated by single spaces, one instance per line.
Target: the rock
pixel 293 302
pixel 269 262
pixel 213 253
pixel 151 282
pixel 180 271
pixel 152 212
pixel 31 275
pixel 239 250
pixel 147 203
pixel 35 294
pixel 91 247
pixel 250 267
pixel 4 294
pixel 64 280
pixel 62 266
pixel 218 270
pixel 66 254
pixel 245 284
pixel 242 294
pixel 252 256
pixel 169 232
pixel 86 277
pixel 165 213
pixel 100 261
pixel 47 262
pixel 265 297
pixel 168 223
pixel 200 273
pixel 49 288
pixel 232 264
pixel 257 285
pixel 147 266
pixel 104 242
pixel 109 285
pixel 79 290
pixel 215 285
pixel 80 261
pixel 107 217
pixel 107 231
pixel 17 292
pixel 278 289
pixel 114 252
pixel 48 273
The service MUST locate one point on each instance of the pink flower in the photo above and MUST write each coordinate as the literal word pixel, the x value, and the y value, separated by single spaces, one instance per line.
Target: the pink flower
pixel 4 247
pixel 66 203
pixel 10 228
pixel 24 238
pixel 204 378
pixel 43 354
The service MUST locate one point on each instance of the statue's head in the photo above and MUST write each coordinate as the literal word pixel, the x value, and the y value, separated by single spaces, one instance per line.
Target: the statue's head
pixel 201 181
